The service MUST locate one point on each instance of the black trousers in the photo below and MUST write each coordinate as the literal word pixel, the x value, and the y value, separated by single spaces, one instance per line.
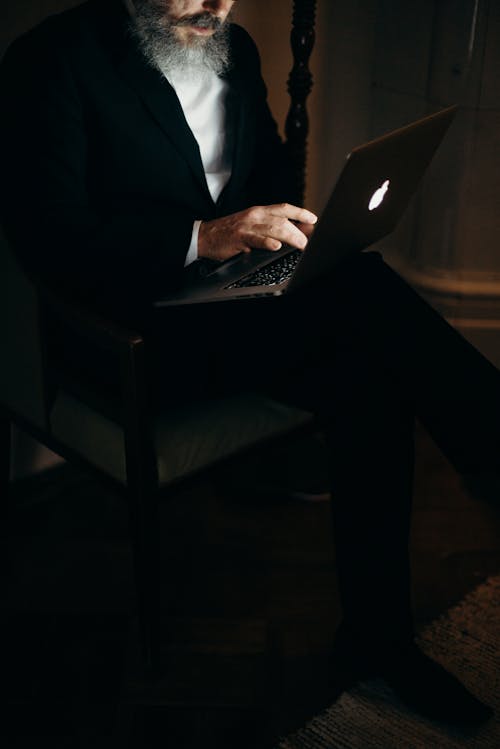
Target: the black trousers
pixel 367 354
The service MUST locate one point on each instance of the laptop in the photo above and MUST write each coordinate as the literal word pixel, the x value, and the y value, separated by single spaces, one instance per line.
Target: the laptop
pixel 368 200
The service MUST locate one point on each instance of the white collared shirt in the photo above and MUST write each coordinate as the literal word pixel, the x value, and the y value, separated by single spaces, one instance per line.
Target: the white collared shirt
pixel 203 102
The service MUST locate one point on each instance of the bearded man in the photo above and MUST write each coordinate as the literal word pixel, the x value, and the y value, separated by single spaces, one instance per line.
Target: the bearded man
pixel 138 146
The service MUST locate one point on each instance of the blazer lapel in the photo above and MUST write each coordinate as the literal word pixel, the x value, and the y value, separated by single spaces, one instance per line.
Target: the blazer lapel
pixel 163 104
pixel 239 115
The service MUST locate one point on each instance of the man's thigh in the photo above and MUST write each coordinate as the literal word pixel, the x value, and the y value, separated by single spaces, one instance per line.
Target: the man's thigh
pixel 281 345
pixel 221 347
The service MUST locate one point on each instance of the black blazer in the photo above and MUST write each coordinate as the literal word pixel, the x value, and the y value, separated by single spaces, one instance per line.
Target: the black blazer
pixel 102 177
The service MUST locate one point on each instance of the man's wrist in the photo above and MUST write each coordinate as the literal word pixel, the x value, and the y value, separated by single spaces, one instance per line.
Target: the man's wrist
pixel 203 244
pixel 192 253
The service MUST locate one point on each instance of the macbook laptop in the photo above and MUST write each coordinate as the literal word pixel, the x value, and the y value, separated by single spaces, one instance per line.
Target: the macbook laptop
pixel 369 198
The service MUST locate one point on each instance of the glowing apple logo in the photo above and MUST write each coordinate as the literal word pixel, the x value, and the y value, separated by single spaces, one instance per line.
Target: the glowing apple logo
pixel 378 196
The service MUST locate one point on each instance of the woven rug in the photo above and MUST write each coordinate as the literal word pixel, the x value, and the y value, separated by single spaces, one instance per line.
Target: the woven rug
pixel 466 640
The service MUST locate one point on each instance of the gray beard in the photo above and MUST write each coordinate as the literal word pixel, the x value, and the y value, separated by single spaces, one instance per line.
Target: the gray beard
pixel 163 50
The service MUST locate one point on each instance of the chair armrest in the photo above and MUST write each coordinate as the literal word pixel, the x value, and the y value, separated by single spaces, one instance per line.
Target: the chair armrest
pixel 125 346
pixel 105 336
pixel 104 333
pixel 129 348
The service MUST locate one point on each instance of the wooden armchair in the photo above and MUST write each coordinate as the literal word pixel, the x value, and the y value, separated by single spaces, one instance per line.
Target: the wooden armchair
pixel 146 455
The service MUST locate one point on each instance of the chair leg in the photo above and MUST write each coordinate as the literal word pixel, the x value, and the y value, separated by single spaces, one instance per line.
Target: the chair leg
pixel 146 548
pixel 142 486
pixel 5 455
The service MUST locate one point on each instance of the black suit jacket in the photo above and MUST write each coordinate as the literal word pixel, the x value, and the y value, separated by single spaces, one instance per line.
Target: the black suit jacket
pixel 102 177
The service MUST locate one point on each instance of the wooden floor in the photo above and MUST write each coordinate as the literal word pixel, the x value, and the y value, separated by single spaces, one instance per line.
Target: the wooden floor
pixel 250 605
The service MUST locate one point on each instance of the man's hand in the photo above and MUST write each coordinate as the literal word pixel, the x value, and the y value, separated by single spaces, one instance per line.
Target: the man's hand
pixel 261 227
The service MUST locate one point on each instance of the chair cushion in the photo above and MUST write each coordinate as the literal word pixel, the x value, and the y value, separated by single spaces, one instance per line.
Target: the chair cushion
pixel 186 439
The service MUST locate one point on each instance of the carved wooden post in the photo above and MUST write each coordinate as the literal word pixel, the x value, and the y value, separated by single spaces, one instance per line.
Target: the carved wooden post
pixel 299 87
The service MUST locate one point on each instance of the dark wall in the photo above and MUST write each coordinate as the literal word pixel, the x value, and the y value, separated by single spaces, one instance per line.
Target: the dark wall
pixel 17 16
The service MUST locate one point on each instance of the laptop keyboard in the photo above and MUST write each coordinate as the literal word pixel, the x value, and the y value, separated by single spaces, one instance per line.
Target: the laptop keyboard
pixel 271 274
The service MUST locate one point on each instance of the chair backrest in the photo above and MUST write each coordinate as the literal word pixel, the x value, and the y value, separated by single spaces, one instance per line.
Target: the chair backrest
pixel 22 388
pixel 300 84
